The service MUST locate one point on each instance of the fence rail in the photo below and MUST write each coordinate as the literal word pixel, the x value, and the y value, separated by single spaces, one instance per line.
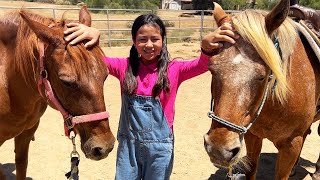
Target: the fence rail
pixel 115 24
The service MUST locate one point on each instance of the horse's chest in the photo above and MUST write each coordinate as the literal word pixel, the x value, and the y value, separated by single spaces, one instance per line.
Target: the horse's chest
pixel 15 122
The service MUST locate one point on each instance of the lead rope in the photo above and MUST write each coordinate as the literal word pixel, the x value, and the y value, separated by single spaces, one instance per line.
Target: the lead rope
pixel 237 176
pixel 73 174
pixel 230 174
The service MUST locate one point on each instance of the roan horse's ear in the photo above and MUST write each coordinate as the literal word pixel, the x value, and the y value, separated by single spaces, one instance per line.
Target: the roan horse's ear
pixel 43 32
pixel 220 15
pixel 276 17
pixel 84 16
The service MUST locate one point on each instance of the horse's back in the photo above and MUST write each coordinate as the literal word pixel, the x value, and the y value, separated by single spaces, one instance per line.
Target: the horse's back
pixel 315 62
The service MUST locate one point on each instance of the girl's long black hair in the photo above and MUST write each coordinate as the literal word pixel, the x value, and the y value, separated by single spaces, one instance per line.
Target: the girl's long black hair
pixel 130 81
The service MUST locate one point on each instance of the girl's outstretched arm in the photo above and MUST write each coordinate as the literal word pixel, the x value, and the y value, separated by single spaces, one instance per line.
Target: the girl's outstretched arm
pixel 77 32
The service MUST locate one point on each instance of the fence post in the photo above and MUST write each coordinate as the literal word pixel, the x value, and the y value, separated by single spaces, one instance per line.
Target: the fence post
pixel 54 13
pixel 109 31
pixel 201 24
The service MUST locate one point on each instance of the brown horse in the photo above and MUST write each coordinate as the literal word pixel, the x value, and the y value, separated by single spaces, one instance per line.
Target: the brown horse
pixel 267 85
pixel 34 58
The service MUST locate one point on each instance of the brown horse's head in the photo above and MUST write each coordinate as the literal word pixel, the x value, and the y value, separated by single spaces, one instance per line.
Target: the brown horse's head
pixel 76 75
pixel 240 75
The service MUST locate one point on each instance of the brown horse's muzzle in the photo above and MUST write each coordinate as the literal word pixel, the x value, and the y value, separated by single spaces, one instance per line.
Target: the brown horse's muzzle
pixel 96 148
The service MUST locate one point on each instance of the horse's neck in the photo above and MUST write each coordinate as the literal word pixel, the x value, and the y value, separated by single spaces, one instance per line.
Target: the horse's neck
pixel 22 82
pixel 17 95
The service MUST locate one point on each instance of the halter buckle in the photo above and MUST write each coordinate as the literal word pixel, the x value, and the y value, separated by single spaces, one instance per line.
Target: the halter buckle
pixel 44 74
pixel 68 122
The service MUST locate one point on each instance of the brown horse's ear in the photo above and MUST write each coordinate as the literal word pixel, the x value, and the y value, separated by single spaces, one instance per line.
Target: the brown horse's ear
pixel 43 32
pixel 220 15
pixel 84 16
pixel 277 15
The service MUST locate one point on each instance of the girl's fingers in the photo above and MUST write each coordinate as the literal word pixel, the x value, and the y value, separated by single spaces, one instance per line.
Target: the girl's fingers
pixel 72 30
pixel 215 45
pixel 72 24
pixel 227 26
pixel 78 32
pixel 90 43
pixel 73 35
pixel 229 33
pixel 78 38
pixel 216 39
pixel 226 39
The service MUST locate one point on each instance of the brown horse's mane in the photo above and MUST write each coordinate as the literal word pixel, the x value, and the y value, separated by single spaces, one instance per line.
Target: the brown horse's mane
pixel 250 24
pixel 27 46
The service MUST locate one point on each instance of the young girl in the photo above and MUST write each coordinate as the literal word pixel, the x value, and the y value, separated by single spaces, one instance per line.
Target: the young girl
pixel 149 83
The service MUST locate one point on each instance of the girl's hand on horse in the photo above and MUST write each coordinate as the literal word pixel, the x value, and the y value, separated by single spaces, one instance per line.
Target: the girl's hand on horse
pixel 214 40
pixel 77 32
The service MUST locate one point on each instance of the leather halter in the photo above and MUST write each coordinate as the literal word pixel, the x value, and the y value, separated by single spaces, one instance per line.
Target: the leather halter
pixel 69 120
pixel 241 129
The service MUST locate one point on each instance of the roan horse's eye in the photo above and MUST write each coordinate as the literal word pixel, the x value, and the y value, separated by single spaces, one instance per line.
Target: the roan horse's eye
pixel 261 78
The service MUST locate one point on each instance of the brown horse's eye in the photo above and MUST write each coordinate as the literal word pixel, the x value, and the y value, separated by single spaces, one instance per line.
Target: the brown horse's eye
pixel 69 82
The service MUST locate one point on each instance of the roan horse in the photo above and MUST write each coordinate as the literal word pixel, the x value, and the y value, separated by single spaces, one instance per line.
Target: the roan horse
pixel 34 58
pixel 269 79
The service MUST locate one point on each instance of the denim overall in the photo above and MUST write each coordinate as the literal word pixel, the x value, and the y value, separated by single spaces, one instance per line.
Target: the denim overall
pixel 145 148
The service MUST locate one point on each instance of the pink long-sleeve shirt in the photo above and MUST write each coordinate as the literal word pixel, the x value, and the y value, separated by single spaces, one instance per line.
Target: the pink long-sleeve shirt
pixel 178 71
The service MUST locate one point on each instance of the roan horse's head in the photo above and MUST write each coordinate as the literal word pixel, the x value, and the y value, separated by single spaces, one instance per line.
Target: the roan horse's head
pixel 240 76
pixel 77 77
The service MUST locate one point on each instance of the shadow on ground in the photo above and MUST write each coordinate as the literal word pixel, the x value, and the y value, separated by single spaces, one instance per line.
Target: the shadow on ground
pixel 8 170
pixel 266 169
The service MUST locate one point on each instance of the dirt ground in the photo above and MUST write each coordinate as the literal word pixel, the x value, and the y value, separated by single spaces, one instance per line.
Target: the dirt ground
pixel 49 156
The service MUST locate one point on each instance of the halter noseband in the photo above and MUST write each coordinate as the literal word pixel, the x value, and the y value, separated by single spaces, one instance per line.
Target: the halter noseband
pixel 69 120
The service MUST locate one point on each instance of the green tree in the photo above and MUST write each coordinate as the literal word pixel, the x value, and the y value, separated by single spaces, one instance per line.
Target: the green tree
pixel 310 3
pixel 95 3
pixel 266 4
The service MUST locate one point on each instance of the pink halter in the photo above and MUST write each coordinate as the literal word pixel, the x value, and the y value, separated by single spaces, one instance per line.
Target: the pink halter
pixel 69 120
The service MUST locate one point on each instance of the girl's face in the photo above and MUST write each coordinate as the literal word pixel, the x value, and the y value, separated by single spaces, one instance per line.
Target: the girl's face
pixel 148 43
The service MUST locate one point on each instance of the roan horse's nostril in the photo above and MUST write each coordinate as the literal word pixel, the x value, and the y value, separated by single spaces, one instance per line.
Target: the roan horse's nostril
pixel 229 155
pixel 234 152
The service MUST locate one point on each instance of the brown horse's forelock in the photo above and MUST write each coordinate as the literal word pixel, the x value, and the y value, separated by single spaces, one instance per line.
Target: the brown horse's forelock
pixel 84 59
pixel 27 50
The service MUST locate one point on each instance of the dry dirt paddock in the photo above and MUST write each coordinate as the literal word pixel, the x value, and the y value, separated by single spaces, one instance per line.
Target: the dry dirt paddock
pixel 49 153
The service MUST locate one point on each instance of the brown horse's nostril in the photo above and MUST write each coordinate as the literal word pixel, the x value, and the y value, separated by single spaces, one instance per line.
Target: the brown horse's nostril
pixel 97 152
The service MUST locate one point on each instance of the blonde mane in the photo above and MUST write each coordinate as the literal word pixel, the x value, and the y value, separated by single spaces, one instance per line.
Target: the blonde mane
pixel 250 24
